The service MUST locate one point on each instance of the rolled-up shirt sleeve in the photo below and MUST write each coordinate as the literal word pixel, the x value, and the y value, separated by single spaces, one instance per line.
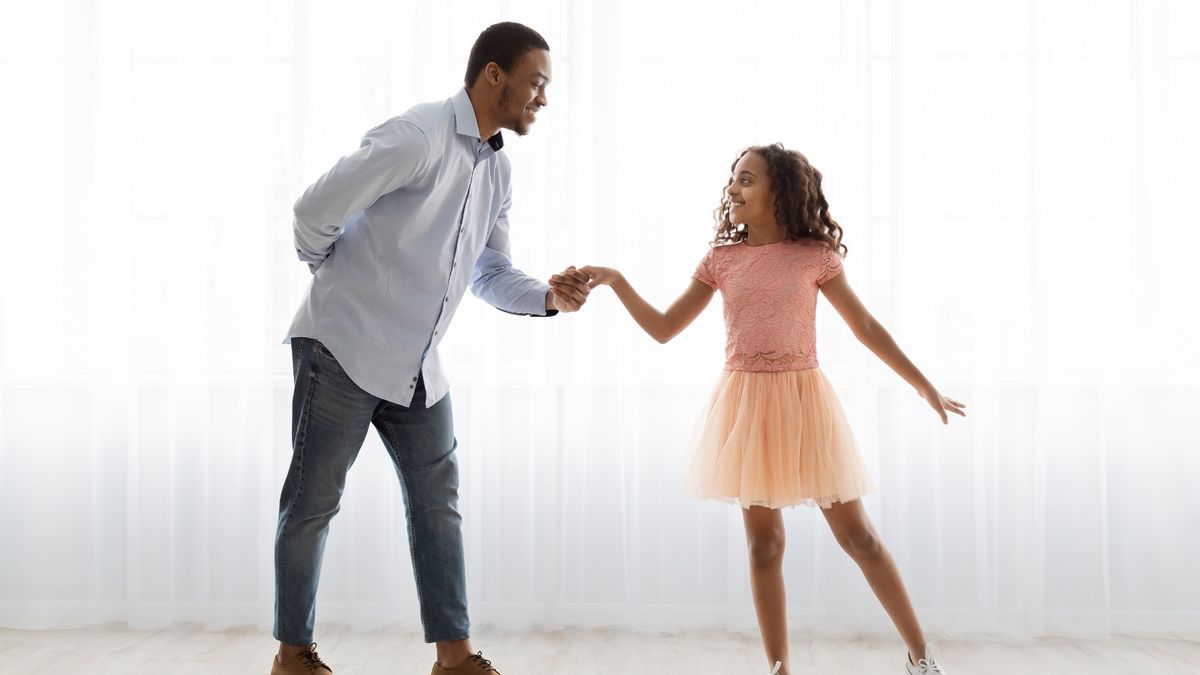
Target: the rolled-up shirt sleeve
pixel 498 283
pixel 393 155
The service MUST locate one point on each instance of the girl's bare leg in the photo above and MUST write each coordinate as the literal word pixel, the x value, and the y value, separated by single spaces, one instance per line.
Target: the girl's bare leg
pixel 854 532
pixel 765 540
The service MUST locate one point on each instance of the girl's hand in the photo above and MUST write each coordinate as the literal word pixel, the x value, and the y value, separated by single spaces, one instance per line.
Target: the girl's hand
pixel 942 405
pixel 600 276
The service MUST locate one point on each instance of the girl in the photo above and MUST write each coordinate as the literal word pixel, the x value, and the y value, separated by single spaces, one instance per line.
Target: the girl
pixel 775 434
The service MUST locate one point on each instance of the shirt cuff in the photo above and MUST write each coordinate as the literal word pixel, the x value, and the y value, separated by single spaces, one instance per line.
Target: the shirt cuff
pixel 533 304
pixel 541 310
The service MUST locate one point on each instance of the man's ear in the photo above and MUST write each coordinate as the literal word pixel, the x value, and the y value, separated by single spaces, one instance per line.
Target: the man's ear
pixel 493 73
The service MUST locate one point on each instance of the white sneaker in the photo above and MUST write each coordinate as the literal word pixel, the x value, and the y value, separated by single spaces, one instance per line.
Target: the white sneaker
pixel 778 665
pixel 926 666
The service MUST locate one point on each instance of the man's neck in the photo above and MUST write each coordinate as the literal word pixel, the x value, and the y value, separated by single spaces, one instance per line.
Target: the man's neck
pixel 488 127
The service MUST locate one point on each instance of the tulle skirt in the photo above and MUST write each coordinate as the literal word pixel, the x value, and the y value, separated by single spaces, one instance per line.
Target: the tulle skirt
pixel 775 439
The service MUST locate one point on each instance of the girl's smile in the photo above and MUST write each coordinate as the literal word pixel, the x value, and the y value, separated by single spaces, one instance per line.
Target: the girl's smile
pixel 749 195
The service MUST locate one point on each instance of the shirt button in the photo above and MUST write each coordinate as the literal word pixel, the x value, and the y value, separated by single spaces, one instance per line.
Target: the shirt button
pixel 414 379
pixel 446 299
pixel 411 387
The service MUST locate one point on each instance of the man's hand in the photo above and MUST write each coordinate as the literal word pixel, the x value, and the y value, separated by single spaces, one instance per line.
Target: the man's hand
pixel 568 290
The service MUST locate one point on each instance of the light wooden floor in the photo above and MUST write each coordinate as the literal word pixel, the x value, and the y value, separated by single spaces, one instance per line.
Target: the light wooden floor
pixel 185 650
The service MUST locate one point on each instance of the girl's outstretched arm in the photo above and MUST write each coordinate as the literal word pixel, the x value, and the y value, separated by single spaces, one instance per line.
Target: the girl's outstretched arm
pixel 661 326
pixel 872 334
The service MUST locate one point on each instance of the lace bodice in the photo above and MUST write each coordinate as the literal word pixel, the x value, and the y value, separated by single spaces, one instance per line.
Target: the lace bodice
pixel 770 297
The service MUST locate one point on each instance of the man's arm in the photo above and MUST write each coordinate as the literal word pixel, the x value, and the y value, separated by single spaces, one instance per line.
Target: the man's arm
pixel 498 283
pixel 392 155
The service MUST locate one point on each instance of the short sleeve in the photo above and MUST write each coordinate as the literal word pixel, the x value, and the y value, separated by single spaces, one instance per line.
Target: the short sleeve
pixel 705 273
pixel 831 265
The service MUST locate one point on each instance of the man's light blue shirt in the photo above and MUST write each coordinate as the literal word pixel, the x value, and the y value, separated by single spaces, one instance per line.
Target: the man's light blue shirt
pixel 394 233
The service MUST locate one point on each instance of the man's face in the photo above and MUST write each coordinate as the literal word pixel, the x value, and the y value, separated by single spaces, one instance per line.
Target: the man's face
pixel 524 92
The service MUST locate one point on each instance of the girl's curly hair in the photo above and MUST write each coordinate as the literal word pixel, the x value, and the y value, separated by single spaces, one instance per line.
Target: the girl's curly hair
pixel 799 203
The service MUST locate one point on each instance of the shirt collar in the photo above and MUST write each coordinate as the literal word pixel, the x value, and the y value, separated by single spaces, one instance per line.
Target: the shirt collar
pixel 468 124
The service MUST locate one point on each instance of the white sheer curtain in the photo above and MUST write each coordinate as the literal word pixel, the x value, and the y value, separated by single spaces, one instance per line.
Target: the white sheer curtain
pixel 1017 182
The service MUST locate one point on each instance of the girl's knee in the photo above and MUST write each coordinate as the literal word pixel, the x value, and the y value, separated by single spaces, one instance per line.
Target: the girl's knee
pixel 766 547
pixel 861 544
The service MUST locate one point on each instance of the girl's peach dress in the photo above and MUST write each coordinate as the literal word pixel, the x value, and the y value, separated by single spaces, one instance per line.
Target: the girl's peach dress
pixel 774 433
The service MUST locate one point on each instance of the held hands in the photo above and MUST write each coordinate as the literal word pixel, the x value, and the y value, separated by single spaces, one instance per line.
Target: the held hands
pixel 568 290
pixel 942 405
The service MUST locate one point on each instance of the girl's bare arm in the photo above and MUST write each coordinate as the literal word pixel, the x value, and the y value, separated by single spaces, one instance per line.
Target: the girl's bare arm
pixel 661 326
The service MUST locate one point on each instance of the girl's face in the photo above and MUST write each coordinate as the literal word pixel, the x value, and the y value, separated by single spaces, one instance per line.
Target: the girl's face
pixel 750 198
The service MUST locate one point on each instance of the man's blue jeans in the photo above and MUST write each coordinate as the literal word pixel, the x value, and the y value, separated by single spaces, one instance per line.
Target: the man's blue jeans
pixel 330 419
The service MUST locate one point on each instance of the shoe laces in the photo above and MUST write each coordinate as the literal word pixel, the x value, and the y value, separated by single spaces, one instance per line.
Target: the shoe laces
pixel 311 660
pixel 929 666
pixel 487 666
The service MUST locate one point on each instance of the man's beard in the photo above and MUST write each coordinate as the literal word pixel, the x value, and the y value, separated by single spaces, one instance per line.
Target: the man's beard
pixel 517 124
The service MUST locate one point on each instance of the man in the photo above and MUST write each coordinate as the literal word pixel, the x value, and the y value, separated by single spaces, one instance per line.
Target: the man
pixel 393 234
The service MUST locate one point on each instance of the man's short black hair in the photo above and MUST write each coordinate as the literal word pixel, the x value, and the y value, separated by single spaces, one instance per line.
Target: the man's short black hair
pixel 505 43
